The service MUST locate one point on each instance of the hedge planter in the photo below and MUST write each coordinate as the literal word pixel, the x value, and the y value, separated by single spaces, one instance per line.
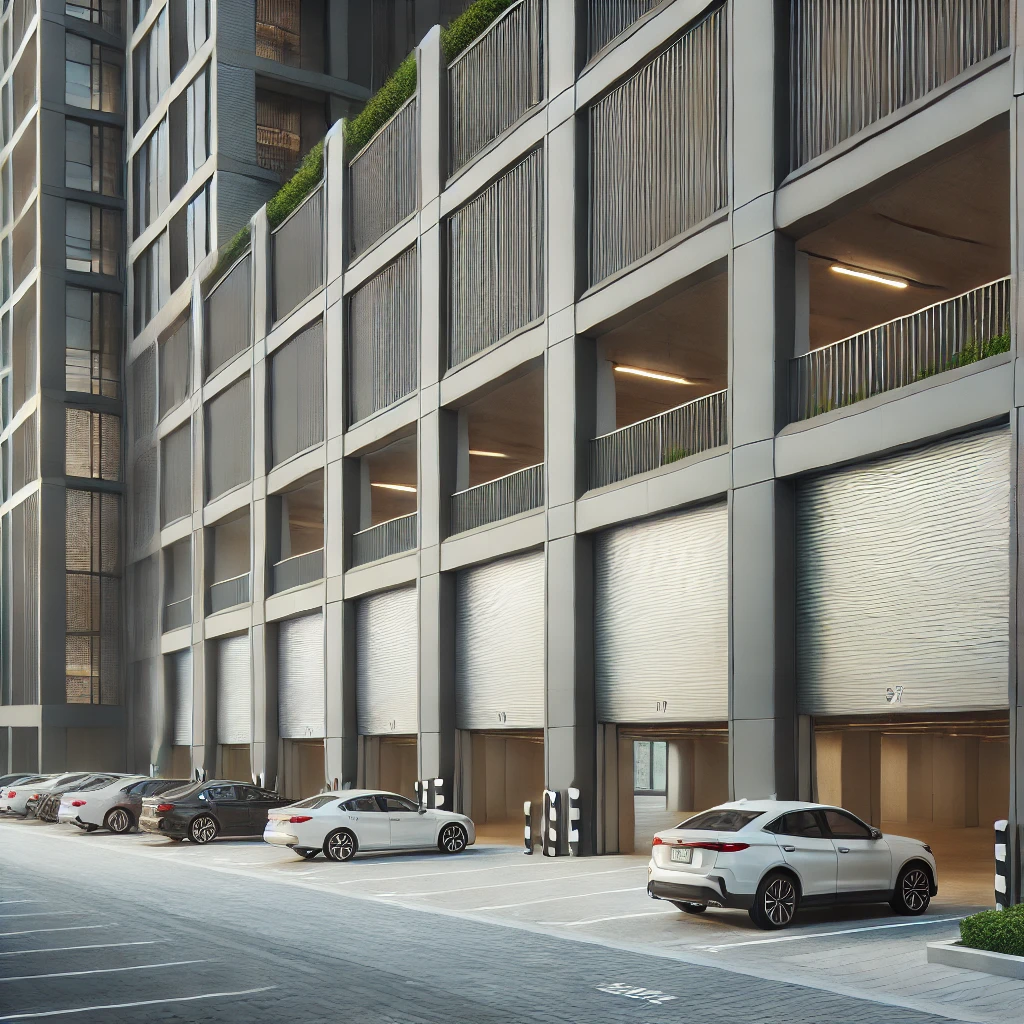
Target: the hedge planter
pixel 951 954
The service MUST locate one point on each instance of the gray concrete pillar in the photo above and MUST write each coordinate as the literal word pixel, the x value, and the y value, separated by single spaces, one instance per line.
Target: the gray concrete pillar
pixel 679 795
pixel 339 665
pixel 955 781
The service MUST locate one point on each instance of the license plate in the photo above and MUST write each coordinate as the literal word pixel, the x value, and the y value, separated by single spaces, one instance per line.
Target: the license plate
pixel 682 855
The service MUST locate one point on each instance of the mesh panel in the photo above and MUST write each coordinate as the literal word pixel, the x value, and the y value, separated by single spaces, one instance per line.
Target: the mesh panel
pixel 78 531
pixel 144 607
pixel 143 499
pixel 228 319
pixel 176 475
pixel 110 534
pixel 78 669
pixel 175 367
pixel 110 632
pixel 110 447
pixel 297 394
pixel 92 444
pixel 25 453
pixel 78 442
pixel 229 439
pixel 143 394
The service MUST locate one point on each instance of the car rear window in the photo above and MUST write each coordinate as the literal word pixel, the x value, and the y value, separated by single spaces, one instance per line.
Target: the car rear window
pixel 317 801
pixel 723 819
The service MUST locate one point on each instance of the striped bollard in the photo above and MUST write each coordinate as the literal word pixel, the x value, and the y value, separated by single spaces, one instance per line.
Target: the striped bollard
pixel 552 813
pixel 574 821
pixel 430 793
pixel 1002 864
pixel 528 830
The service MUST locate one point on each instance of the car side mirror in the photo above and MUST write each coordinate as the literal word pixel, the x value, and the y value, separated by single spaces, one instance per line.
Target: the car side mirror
pixel 876 833
pixel 421 810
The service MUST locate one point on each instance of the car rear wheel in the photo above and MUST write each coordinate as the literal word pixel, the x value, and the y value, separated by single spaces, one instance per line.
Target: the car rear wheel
pixel 453 839
pixel 913 891
pixel 691 908
pixel 775 902
pixel 340 845
pixel 307 854
pixel 119 820
pixel 203 829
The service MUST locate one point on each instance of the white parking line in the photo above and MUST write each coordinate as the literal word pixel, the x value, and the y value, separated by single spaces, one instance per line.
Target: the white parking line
pixel 39 913
pixel 553 899
pixel 103 970
pixel 66 949
pixel 5 902
pixel 825 935
pixel 620 917
pixel 440 874
pixel 39 931
pixel 143 1002
pixel 506 885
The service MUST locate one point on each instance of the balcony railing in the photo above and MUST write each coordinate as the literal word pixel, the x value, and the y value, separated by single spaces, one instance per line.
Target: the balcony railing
pixel 384 539
pixel 953 333
pixel 498 499
pixel 298 249
pixel 494 82
pixel 228 317
pixel 855 61
pixel 659 440
pixel 607 18
pixel 383 177
pixel 228 594
pixel 177 614
pixel 297 571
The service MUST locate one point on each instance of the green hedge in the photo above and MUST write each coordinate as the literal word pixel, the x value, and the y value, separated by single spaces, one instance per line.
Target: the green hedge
pixel 291 194
pixel 472 23
pixel 997 931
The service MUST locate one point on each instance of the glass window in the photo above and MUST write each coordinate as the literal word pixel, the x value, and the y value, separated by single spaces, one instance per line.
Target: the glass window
pixel 92 444
pixel 93 158
pixel 92 330
pixel 92 239
pixel 105 13
pixel 152 281
pixel 724 819
pixel 846 826
pixel 92 75
pixel 151 65
pixel 221 793
pixel 798 823
pixel 362 804
pixel 198 229
pixel 197 122
pixel 399 803
pixel 318 801
pixel 151 166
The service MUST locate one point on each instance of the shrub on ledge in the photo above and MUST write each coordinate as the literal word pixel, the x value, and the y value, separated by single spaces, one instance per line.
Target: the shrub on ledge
pixel 997 931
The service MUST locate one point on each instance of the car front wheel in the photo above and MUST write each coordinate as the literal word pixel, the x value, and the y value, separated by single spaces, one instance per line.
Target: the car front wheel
pixel 453 839
pixel 340 845
pixel 775 902
pixel 913 891
pixel 203 829
pixel 119 820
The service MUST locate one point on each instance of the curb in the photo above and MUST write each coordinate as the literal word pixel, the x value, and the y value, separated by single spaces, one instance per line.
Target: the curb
pixel 951 954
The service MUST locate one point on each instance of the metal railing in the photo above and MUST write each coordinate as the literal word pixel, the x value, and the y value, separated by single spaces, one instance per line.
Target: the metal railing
pixel 659 440
pixel 227 594
pixel 498 499
pixel 384 539
pixel 177 614
pixel 494 82
pixel 607 18
pixel 298 255
pixel 228 315
pixel 297 571
pixel 855 61
pixel 956 332
pixel 383 179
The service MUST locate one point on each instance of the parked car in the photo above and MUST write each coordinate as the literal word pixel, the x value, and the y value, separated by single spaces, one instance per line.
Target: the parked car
pixel 204 810
pixel 342 823
pixel 116 806
pixel 44 805
pixel 11 783
pixel 770 857
pixel 16 798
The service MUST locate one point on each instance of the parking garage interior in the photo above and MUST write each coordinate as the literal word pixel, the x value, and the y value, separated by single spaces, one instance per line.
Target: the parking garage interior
pixel 389 763
pixel 388 482
pixel 302 770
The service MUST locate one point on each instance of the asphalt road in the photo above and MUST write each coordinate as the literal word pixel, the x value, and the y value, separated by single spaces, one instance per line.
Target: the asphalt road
pixel 90 932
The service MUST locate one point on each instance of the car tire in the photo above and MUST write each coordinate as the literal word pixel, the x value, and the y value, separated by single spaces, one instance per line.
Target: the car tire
pixel 340 845
pixel 175 839
pixel 690 908
pixel 913 890
pixel 453 838
pixel 119 821
pixel 307 854
pixel 202 829
pixel 775 902
pixel 90 828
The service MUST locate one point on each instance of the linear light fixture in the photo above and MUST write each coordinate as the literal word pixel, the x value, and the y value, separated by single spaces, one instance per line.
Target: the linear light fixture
pixel 488 455
pixel 396 487
pixel 892 282
pixel 636 371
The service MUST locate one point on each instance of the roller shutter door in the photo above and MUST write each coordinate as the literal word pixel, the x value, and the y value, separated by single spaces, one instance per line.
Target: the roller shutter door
pixel 903 581
pixel 234 690
pixel 499 645
pixel 387 665
pixel 300 678
pixel 179 668
pixel 661 619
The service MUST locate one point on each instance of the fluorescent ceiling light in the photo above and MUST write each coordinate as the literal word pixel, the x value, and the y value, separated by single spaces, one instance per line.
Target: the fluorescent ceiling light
pixel 488 455
pixel 892 282
pixel 670 377
pixel 396 487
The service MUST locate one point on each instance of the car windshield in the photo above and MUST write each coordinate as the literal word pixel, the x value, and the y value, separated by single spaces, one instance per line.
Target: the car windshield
pixel 721 819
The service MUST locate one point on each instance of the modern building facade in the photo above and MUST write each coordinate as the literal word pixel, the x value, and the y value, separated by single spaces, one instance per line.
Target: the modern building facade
pixel 648 378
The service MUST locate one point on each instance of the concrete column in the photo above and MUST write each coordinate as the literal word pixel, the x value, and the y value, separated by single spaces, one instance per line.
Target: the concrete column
pixel 955 781
pixel 895 772
pixel 342 739
pixel 680 775
pixel 604 384
pixel 462 452
pixel 920 778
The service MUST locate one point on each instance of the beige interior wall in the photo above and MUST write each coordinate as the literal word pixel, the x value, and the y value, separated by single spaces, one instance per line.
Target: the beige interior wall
pixel 181 763
pixel 710 773
pixel 507 771
pixel 993 782
pixel 235 762
pixel 828 751
pixel 397 771
pixel 302 768
pixel 627 818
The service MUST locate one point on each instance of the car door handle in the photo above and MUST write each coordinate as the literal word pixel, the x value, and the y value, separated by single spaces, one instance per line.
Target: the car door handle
pixel 844 849
pixel 396 819
pixel 790 849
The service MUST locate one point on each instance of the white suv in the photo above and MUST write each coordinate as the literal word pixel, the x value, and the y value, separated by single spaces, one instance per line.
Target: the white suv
pixel 769 857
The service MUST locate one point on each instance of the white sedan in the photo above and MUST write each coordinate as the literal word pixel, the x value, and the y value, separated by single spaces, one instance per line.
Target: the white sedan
pixel 18 794
pixel 769 857
pixel 344 822
pixel 107 806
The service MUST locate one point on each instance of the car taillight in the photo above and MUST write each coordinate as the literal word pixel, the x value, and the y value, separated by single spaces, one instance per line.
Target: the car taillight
pixel 164 808
pixel 297 819
pixel 719 847
pixel 77 803
pixel 658 841
pixel 11 795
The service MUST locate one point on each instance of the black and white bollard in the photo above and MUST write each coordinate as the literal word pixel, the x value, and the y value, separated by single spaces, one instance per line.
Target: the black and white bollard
pixel 574 821
pixel 431 793
pixel 1002 864
pixel 552 821
pixel 528 830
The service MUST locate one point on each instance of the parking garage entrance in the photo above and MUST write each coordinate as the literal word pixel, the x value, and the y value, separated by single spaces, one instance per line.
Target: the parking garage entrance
pixel 942 778
pixel 654 776
pixel 235 762
pixel 388 763
pixel 302 768
pixel 497 773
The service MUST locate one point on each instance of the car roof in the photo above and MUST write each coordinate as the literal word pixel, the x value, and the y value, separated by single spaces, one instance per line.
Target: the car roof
pixel 773 806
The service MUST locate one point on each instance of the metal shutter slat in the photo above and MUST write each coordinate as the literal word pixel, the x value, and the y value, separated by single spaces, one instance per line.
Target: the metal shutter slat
pixel 661 619
pixel 180 665
pixel 300 678
pixel 234 690
pixel 387 662
pixel 499 645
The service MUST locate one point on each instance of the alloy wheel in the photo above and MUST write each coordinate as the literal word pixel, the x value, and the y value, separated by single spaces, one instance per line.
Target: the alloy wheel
pixel 341 846
pixel 780 902
pixel 119 821
pixel 453 839
pixel 915 889
pixel 203 829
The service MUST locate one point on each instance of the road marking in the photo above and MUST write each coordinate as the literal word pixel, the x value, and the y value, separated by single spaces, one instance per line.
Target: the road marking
pixel 5 902
pixel 620 917
pixel 553 899
pixel 66 949
pixel 39 931
pixel 445 874
pixel 505 885
pixel 104 970
pixel 824 935
pixel 649 995
pixel 143 1002
pixel 40 913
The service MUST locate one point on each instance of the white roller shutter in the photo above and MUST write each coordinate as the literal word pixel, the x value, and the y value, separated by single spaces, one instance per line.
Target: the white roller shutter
pixel 234 690
pixel 300 678
pixel 499 645
pixel 661 619
pixel 179 668
pixel 387 632
pixel 903 581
